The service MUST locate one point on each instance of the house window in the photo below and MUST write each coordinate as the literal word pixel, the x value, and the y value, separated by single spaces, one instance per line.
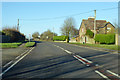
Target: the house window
pixel 108 28
pixel 82 30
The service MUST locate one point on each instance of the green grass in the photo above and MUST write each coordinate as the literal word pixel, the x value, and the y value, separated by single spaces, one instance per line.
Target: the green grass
pixel 10 45
pixel 29 44
pixel 112 47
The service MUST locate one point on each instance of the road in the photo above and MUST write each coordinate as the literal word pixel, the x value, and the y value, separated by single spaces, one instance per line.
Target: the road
pixel 61 60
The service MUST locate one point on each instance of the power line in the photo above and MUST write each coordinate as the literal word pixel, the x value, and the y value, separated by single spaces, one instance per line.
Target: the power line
pixel 108 8
pixel 69 15
pixel 57 17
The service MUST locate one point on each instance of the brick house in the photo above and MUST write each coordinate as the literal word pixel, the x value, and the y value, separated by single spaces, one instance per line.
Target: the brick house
pixel 102 27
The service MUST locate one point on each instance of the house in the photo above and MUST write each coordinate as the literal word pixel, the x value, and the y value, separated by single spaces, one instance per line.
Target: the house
pixel 102 27
pixel 74 39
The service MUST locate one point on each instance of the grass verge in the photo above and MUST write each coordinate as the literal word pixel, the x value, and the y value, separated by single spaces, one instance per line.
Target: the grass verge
pixel 112 47
pixel 30 44
pixel 10 45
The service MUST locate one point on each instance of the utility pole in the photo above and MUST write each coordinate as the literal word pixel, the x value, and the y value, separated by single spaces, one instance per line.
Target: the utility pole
pixel 94 23
pixel 18 25
pixel 53 32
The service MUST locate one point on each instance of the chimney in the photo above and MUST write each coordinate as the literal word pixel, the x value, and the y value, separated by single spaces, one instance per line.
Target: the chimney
pixel 91 18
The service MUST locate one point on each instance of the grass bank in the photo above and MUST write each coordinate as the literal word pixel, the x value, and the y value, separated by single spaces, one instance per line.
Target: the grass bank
pixel 112 47
pixel 30 44
pixel 10 45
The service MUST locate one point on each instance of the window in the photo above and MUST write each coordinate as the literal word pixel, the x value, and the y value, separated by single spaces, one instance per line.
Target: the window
pixel 108 28
pixel 82 30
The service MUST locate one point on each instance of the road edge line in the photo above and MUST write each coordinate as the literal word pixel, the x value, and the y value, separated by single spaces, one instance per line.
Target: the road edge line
pixel 15 62
pixel 102 75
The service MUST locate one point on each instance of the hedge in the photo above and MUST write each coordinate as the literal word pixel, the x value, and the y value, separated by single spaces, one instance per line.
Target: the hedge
pixel 2 33
pixel 60 38
pixel 105 38
pixel 15 36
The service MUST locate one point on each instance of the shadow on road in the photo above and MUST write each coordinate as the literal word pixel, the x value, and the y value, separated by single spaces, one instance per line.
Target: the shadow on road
pixel 46 68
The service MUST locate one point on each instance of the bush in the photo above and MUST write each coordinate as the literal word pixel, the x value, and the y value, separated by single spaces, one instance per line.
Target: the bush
pixel 2 33
pixel 105 38
pixel 60 38
pixel 15 36
pixel 90 33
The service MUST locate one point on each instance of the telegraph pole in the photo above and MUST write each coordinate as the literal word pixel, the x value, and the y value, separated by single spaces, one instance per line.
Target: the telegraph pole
pixel 18 25
pixel 95 23
pixel 53 32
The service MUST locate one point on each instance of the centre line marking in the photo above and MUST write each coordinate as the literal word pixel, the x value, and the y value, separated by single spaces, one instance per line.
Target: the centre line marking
pixel 79 60
pixel 68 51
pixel 84 59
pixel 113 73
pixel 102 75
pixel 15 62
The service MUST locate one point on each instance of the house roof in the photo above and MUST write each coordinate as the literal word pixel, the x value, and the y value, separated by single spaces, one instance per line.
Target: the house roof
pixel 89 24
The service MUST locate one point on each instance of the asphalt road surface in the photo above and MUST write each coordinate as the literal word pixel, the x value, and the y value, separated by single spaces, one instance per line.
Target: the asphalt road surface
pixel 62 60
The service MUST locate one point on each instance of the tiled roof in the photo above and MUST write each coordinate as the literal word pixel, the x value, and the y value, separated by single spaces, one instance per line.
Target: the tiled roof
pixel 89 24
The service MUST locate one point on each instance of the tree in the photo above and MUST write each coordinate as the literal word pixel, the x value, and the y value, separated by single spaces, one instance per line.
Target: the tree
pixel 68 28
pixel 117 27
pixel 15 35
pixel 74 32
pixel 47 35
pixel 35 35
pixel 89 33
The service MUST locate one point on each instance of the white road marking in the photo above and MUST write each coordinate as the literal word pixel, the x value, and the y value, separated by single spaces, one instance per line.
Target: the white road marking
pixel 63 49
pixel 17 57
pixel 24 52
pixel 68 51
pixel 84 59
pixel 7 64
pixel 16 62
pixel 79 60
pixel 91 61
pixel 102 75
pixel 113 73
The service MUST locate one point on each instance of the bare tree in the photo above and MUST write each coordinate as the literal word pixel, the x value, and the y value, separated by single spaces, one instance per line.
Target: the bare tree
pixel 68 28
pixel 117 27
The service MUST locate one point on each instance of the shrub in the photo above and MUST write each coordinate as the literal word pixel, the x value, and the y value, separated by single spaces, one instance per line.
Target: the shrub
pixel 89 33
pixel 105 38
pixel 15 36
pixel 60 38
pixel 2 33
